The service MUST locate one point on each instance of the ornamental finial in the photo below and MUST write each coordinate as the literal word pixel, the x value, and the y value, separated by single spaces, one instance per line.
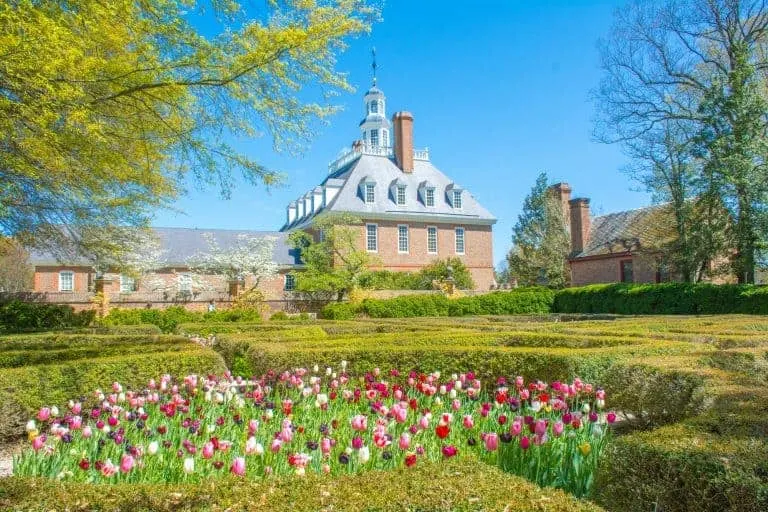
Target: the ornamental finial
pixel 373 65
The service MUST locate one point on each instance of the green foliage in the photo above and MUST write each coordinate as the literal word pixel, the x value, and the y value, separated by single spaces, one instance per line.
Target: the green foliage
pixel 280 315
pixel 30 316
pixel 422 280
pixel 37 370
pixel 461 484
pixel 667 298
pixel 334 266
pixel 111 105
pixel 683 469
pixel 170 318
pixel 540 243
pixel 339 311
pixel 514 302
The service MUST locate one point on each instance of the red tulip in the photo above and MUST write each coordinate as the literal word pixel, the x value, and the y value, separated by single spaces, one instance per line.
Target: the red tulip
pixel 442 431
pixel 525 443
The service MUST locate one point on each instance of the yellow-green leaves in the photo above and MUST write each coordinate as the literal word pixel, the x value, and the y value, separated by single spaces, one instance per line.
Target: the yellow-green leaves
pixel 106 106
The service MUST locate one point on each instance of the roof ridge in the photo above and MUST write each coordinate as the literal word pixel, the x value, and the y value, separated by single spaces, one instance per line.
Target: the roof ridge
pixel 648 207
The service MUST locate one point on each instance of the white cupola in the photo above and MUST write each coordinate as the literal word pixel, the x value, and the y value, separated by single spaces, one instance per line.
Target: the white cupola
pixel 375 127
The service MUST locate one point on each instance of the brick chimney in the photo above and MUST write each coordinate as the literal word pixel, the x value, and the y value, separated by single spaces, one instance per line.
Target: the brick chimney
pixel 402 123
pixel 580 224
pixel 562 192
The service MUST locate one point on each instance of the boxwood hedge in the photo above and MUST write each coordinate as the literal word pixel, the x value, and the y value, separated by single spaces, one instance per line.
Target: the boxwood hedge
pixel 461 484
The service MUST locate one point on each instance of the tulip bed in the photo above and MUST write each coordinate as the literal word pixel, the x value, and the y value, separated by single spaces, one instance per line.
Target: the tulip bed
pixel 304 421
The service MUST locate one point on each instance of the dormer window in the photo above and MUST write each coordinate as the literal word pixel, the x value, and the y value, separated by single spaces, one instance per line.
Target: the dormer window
pixel 401 195
pixel 370 193
pixel 429 196
pixel 457 199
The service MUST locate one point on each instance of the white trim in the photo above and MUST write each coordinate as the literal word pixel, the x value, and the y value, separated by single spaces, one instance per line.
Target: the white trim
pixel 124 279
pixel 463 240
pixel 404 189
pixel 407 239
pixel 185 282
pixel 72 281
pixel 437 238
pixel 372 187
pixel 285 282
pixel 427 190
pixel 376 239
pixel 459 205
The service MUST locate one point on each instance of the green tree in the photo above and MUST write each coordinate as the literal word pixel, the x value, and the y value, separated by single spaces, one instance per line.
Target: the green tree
pixel 734 145
pixel 437 270
pixel 108 108
pixel 702 64
pixel 334 264
pixel 16 273
pixel 540 242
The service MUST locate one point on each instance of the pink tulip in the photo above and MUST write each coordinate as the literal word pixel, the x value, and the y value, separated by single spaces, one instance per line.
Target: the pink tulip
pixel 108 469
pixel 540 428
pixel 456 404
pixel 77 407
pixel 87 432
pixel 238 466
pixel 468 421
pixel 208 450
pixel 76 422
pixel 357 442
pixel 286 435
pixel 38 442
pixel 525 443
pixel 325 446
pixel 424 422
pixel 558 428
pixel 44 413
pixel 360 423
pixel 405 441
pixel 276 445
pixel 126 463
pixel 610 417
pixel 491 441
pixel 253 426
pixel 516 428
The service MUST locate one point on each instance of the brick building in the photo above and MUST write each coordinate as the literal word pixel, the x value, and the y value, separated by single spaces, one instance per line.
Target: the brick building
pixel 411 212
pixel 76 281
pixel 617 247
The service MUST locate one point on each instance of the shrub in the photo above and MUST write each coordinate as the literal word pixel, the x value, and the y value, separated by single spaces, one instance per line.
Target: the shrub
pixel 421 280
pixel 24 390
pixel 460 484
pixel 168 320
pixel 280 315
pixel 339 311
pixel 681 469
pixel 667 298
pixel 16 316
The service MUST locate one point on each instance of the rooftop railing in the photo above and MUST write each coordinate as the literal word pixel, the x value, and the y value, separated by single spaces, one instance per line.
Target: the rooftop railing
pixel 368 149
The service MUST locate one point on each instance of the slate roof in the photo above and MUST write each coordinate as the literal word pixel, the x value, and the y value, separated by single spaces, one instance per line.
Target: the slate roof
pixel 627 230
pixel 384 171
pixel 180 244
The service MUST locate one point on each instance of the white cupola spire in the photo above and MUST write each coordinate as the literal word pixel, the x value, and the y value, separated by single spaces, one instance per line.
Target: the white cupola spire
pixel 375 127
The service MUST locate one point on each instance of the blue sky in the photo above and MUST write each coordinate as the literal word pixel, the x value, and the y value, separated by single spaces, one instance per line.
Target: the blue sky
pixel 499 91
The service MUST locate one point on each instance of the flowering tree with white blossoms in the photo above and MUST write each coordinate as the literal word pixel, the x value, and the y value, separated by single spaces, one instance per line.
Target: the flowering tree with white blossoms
pixel 147 257
pixel 248 257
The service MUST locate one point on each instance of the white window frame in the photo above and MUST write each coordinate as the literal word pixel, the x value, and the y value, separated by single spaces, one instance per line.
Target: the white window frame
pixel 289 283
pixel 375 137
pixel 407 239
pixel 385 138
pixel 436 238
pixel 370 193
pixel 429 196
pixel 374 107
pixel 185 282
pixel 398 190
pixel 457 199
pixel 126 280
pixel 71 275
pixel 375 237
pixel 462 239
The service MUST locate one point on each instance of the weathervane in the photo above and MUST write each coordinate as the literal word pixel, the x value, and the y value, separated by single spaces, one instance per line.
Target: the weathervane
pixel 373 65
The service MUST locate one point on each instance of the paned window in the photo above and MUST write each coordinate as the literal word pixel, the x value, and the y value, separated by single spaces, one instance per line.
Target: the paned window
pixel 432 240
pixel 371 237
pixel 402 239
pixel 460 241
pixel 66 281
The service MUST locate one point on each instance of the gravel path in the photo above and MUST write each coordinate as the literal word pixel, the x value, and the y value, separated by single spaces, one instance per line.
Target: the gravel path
pixel 7 451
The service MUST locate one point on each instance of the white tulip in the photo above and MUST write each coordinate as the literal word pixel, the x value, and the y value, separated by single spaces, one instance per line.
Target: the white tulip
pixel 189 465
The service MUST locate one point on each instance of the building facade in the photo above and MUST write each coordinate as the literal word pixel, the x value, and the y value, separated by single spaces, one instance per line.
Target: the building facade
pixel 618 247
pixel 411 213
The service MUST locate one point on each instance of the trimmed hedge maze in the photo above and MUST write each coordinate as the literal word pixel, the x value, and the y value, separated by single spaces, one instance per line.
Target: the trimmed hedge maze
pixel 692 394
pixel 43 369
pixel 692 390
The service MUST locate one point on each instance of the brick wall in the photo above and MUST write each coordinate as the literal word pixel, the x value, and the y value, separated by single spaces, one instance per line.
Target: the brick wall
pixel 478 248
pixel 608 270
